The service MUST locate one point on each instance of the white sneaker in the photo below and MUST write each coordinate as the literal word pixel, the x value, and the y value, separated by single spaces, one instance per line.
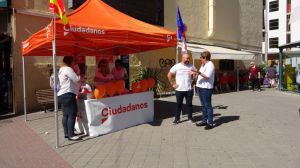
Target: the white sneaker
pixel 191 121
pixel 74 138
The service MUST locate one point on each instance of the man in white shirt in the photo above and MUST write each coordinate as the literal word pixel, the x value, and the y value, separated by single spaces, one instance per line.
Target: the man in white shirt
pixel 183 73
pixel 205 85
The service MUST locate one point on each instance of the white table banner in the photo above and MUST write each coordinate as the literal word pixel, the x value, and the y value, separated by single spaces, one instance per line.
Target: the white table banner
pixel 115 113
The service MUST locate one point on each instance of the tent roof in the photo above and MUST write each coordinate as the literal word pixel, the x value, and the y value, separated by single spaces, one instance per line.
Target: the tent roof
pixel 98 29
pixel 220 52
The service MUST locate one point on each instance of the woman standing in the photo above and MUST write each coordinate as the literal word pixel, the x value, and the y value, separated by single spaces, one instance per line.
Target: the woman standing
pixel 68 81
pixel 205 84
pixel 103 74
pixel 119 72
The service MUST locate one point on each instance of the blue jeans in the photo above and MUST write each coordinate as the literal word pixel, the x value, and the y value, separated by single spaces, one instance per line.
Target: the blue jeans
pixel 207 110
pixel 69 108
pixel 188 95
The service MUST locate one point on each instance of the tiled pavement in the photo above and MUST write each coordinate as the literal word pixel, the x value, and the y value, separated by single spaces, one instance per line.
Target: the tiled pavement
pixel 253 130
pixel 20 147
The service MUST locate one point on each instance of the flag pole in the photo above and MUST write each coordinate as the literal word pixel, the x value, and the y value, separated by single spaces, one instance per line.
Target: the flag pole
pixel 55 82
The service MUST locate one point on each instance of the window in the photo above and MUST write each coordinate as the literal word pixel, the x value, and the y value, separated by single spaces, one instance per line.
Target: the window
pixel 288 38
pixel 273 25
pixel 288 25
pixel 5 3
pixel 5 21
pixel 145 10
pixel 288 6
pixel 273 6
pixel 74 4
pixel 273 42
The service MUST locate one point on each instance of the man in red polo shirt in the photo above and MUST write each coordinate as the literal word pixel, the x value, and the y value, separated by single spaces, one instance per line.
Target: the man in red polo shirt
pixel 254 76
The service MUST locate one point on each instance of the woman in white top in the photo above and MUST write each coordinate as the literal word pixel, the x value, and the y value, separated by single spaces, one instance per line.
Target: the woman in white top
pixel 205 84
pixel 68 81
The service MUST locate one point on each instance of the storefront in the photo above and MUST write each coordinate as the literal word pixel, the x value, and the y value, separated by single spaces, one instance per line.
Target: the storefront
pixel 289 67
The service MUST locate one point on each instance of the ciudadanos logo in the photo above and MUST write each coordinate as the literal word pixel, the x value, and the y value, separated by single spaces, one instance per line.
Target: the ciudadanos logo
pixel 79 29
pixel 108 111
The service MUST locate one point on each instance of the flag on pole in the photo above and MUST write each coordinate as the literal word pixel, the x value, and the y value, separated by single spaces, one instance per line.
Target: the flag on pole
pixel 180 25
pixel 58 7
pixel 181 32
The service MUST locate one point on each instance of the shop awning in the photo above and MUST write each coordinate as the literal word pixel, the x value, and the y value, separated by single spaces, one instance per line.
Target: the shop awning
pixel 219 52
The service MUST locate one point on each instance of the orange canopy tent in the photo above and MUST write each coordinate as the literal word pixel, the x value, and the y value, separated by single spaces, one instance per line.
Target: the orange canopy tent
pixel 96 28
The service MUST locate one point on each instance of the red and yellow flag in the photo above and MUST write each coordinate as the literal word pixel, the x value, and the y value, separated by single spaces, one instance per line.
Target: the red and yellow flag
pixel 58 7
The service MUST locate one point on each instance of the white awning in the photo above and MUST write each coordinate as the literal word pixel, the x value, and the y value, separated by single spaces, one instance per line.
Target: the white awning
pixel 219 52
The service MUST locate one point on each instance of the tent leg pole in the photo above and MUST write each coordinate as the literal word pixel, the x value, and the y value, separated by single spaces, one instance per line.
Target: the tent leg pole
pixel 237 77
pixel 24 89
pixel 55 84
pixel 280 87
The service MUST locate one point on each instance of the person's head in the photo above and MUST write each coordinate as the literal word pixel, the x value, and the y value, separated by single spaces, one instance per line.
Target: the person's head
pixel 68 61
pixel 102 63
pixel 252 64
pixel 186 58
pixel 205 56
pixel 103 66
pixel 118 64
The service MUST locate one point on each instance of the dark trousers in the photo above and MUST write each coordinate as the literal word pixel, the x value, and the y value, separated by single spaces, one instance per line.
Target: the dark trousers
pixel 69 108
pixel 180 95
pixel 206 106
pixel 255 82
pixel 1 102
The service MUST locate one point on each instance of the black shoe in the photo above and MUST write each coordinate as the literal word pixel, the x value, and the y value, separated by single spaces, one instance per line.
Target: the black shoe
pixel 175 122
pixel 201 124
pixel 78 133
pixel 66 136
pixel 209 126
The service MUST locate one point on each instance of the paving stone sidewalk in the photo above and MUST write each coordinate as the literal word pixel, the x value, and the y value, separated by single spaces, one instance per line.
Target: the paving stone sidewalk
pixel 253 130
pixel 21 147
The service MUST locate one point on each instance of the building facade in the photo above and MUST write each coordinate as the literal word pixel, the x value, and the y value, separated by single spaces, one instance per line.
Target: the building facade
pixel 282 26
pixel 279 27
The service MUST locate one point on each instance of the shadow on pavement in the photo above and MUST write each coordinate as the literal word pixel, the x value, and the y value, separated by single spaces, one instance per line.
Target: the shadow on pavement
pixel 220 107
pixel 198 118
pixel 225 119
pixel 165 109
